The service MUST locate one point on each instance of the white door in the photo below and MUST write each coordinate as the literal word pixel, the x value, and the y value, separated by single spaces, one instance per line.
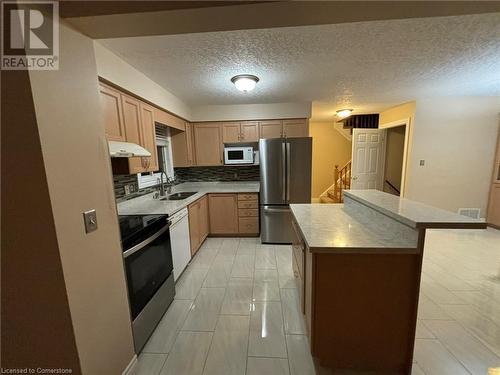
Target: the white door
pixel 368 158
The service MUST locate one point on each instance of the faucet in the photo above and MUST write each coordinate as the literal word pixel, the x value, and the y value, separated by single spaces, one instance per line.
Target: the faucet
pixel 169 181
pixel 162 188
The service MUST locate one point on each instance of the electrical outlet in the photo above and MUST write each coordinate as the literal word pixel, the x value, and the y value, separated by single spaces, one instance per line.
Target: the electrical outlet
pixel 132 188
pixel 127 189
pixel 422 163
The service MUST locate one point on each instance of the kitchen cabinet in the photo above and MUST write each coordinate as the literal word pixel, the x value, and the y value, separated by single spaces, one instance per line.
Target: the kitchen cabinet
pixel 249 131
pixel 493 216
pixel 198 223
pixel 128 119
pixel 133 130
pixel 113 114
pixel 149 136
pixel 237 132
pixel 295 128
pixel 223 213
pixel 248 213
pixel 208 143
pixel 231 132
pixel 169 120
pixel 271 129
pixel 182 146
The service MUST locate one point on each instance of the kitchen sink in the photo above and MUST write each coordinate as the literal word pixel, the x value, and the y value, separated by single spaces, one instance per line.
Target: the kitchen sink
pixel 178 196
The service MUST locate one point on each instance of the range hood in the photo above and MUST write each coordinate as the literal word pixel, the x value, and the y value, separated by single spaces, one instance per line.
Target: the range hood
pixel 126 150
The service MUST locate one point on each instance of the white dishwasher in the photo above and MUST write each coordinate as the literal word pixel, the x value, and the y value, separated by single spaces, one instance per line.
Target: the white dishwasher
pixel 179 240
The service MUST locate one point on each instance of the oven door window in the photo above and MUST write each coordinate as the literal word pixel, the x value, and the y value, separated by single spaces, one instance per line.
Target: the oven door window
pixel 235 155
pixel 147 269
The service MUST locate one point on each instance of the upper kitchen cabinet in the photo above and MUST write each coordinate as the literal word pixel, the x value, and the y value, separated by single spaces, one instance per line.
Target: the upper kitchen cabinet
pixel 113 114
pixel 208 143
pixel 271 129
pixel 128 119
pixel 237 132
pixel 169 120
pixel 295 128
pixel 149 136
pixel 182 146
pixel 249 131
pixel 231 132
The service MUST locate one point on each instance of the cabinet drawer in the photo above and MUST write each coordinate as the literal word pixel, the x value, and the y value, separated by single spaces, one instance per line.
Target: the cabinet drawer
pixel 244 212
pixel 248 197
pixel 248 204
pixel 248 224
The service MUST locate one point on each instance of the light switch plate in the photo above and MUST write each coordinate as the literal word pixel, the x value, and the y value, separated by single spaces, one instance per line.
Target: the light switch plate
pixel 422 163
pixel 90 220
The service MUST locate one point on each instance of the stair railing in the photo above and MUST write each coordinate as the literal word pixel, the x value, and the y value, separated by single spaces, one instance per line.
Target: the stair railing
pixel 342 179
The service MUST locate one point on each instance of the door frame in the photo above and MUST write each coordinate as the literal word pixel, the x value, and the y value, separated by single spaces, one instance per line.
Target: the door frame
pixel 406 122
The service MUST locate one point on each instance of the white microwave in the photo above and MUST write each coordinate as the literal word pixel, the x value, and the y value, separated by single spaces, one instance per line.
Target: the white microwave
pixel 238 155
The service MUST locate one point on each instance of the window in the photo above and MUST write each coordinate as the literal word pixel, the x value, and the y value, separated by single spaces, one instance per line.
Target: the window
pixel 164 151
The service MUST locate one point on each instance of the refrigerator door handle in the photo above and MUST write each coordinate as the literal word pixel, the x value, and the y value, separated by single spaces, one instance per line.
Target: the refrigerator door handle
pixel 288 172
pixel 267 209
pixel 284 170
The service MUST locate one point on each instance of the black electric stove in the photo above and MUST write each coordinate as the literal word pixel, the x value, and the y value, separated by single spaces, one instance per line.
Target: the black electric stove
pixel 136 228
pixel 147 255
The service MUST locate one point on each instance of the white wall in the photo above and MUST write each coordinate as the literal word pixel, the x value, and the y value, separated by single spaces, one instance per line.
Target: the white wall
pixel 456 137
pixel 116 70
pixel 78 171
pixel 251 111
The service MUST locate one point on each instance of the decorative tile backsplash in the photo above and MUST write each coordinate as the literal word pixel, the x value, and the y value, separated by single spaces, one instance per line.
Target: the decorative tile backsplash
pixel 243 173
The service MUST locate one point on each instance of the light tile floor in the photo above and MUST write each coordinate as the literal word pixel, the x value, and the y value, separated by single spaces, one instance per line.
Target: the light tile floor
pixel 236 311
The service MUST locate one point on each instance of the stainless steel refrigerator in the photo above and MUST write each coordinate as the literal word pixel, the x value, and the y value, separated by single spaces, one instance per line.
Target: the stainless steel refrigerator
pixel 285 177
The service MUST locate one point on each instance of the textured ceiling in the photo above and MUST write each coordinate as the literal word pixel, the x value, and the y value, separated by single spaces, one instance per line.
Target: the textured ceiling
pixel 368 65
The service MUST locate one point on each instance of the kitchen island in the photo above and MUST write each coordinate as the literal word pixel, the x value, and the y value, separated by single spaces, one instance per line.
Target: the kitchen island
pixel 358 268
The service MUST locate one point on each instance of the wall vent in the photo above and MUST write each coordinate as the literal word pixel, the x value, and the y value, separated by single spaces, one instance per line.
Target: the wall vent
pixel 470 212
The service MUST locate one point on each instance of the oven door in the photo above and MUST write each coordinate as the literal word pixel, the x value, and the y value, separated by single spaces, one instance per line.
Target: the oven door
pixel 147 265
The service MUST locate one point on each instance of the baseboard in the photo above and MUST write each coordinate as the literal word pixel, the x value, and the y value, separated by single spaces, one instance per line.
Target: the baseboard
pixel 129 370
pixel 315 200
pixel 494 226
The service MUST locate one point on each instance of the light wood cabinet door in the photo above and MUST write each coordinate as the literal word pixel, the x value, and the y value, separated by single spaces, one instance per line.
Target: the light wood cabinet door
pixel 295 128
pixel 223 213
pixel 133 130
pixel 182 146
pixel 270 129
pixel 203 218
pixel 113 114
pixel 231 132
pixel 194 226
pixel 494 205
pixel 249 131
pixel 208 143
pixel 149 136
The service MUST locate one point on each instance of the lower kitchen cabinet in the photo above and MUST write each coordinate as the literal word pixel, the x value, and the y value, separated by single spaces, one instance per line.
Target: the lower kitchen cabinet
pixel 223 213
pixel 198 223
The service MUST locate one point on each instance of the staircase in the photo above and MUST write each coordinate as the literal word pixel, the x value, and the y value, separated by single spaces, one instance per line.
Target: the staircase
pixel 342 181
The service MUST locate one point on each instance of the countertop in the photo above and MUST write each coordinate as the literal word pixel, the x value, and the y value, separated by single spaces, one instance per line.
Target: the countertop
pixel 146 205
pixel 411 213
pixel 334 228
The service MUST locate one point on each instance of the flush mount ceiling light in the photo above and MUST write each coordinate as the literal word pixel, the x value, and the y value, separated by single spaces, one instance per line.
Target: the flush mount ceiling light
pixel 343 113
pixel 245 82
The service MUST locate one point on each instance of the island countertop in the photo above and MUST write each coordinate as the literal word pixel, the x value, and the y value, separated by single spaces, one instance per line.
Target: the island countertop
pixel 412 213
pixel 336 228
pixel 146 205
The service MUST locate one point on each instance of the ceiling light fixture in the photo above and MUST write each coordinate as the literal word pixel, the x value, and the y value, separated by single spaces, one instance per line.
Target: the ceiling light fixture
pixel 343 113
pixel 245 82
